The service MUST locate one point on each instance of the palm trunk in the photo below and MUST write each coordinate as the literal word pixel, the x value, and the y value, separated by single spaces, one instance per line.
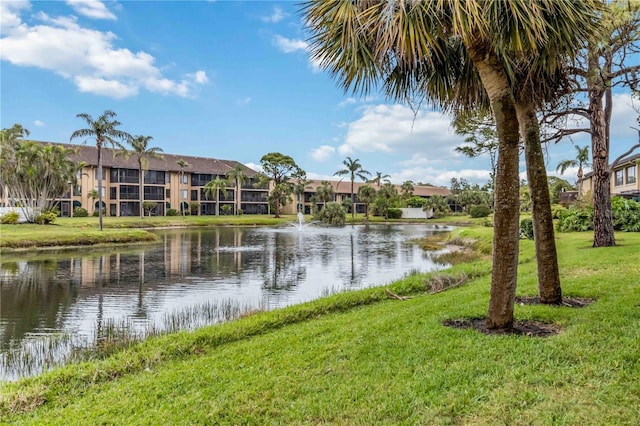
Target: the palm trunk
pixel 543 233
pixel 353 207
pixel 217 201
pixel 99 144
pixel 506 228
pixel 141 193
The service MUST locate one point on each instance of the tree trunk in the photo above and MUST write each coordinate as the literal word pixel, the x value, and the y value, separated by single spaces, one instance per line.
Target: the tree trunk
pixel 141 194
pixel 353 204
pixel 99 144
pixel 543 233
pixel 603 235
pixel 506 227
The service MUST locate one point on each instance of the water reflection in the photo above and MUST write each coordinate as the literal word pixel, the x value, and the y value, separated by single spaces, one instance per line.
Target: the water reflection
pixel 269 267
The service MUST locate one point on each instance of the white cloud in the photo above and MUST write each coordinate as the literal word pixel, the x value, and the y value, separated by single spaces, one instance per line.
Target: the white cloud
pixel 39 123
pixel 254 166
pixel 10 14
pixel 395 128
pixel 322 153
pixel 440 177
pixel 288 45
pixel 89 58
pixel 348 101
pixel 91 8
pixel 277 16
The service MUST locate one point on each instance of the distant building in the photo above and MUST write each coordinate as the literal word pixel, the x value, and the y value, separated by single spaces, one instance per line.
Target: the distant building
pixel 165 183
pixel 342 192
pixel 624 179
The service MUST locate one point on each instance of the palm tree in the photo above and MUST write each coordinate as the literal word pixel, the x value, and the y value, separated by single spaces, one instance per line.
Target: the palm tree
pixel 213 188
pixel 238 175
pixel 353 168
pixel 407 189
pixel 300 185
pixel 379 179
pixel 367 195
pixel 182 164
pixel 581 160
pixel 103 129
pixel 325 192
pixel 142 151
pixel 438 205
pixel 456 55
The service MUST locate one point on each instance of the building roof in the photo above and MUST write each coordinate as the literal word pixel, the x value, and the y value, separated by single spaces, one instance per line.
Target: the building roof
pixel 632 159
pixel 89 154
pixel 344 187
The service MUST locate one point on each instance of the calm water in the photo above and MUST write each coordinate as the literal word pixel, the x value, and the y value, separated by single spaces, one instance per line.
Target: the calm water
pixel 265 268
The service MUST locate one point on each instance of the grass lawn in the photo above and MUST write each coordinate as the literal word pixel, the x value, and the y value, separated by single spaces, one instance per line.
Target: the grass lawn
pixel 363 358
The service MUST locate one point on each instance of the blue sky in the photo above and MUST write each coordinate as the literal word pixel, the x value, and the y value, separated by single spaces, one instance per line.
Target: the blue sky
pixel 222 79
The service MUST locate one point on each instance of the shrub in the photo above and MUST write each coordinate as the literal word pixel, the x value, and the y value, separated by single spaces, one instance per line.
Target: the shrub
pixel 172 212
pixel 479 210
pixel 10 218
pixel 576 220
pixel 80 212
pixel 526 228
pixel 626 214
pixel 46 218
pixel 332 213
pixel 557 211
pixel 394 213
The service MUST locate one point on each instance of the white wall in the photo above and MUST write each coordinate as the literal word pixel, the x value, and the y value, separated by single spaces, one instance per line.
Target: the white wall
pixel 21 219
pixel 416 213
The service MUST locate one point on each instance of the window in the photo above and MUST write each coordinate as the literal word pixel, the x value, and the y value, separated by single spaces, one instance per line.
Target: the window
pixel 104 190
pixel 129 192
pixel 619 181
pixel 183 194
pixel 184 179
pixel 168 193
pixel 201 179
pixel 113 193
pixel 154 177
pixel 153 193
pixel 194 195
pixel 124 175
pixel 95 173
pixel 631 174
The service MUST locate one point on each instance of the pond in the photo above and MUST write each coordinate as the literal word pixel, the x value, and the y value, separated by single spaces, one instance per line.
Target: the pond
pixel 51 304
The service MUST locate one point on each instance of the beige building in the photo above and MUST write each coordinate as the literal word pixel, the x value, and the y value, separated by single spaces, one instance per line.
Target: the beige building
pixel 342 192
pixel 165 184
pixel 624 179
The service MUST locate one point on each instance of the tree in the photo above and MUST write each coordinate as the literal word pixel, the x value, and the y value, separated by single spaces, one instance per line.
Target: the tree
pixel 379 179
pixel 325 192
pixel 34 174
pixel 366 195
pixel 352 168
pixel 279 168
pixel 386 198
pixel 581 160
pixel 301 184
pixel 104 130
pixel 438 51
pixel 601 66
pixel 238 176
pixel 213 188
pixel 406 189
pixel 182 164
pixel 438 206
pixel 140 147
pixel 481 136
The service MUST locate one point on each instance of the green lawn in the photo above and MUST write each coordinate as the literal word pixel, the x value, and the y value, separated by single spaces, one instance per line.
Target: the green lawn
pixel 363 358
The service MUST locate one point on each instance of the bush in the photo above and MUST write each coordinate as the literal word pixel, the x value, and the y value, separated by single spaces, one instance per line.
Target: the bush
pixel 479 210
pixel 172 212
pixel 394 213
pixel 626 214
pixel 557 211
pixel 80 212
pixel 526 228
pixel 10 218
pixel 332 213
pixel 576 220
pixel 46 218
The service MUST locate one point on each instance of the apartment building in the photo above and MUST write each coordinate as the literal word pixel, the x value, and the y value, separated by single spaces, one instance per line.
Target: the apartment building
pixel 624 179
pixel 342 191
pixel 164 183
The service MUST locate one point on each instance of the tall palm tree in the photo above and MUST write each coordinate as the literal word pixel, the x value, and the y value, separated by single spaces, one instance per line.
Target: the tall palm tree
pixel 439 51
pixel 213 188
pixel 325 192
pixel 143 152
pixel 581 160
pixel 183 165
pixel 406 189
pixel 238 175
pixel 353 168
pixel 379 179
pixel 367 195
pixel 300 185
pixel 104 130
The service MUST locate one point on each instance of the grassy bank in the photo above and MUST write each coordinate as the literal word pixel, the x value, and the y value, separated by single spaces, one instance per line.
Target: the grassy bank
pixel 363 358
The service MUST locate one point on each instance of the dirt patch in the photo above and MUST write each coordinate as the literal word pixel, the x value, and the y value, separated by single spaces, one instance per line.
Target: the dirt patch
pixel 571 302
pixel 520 328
